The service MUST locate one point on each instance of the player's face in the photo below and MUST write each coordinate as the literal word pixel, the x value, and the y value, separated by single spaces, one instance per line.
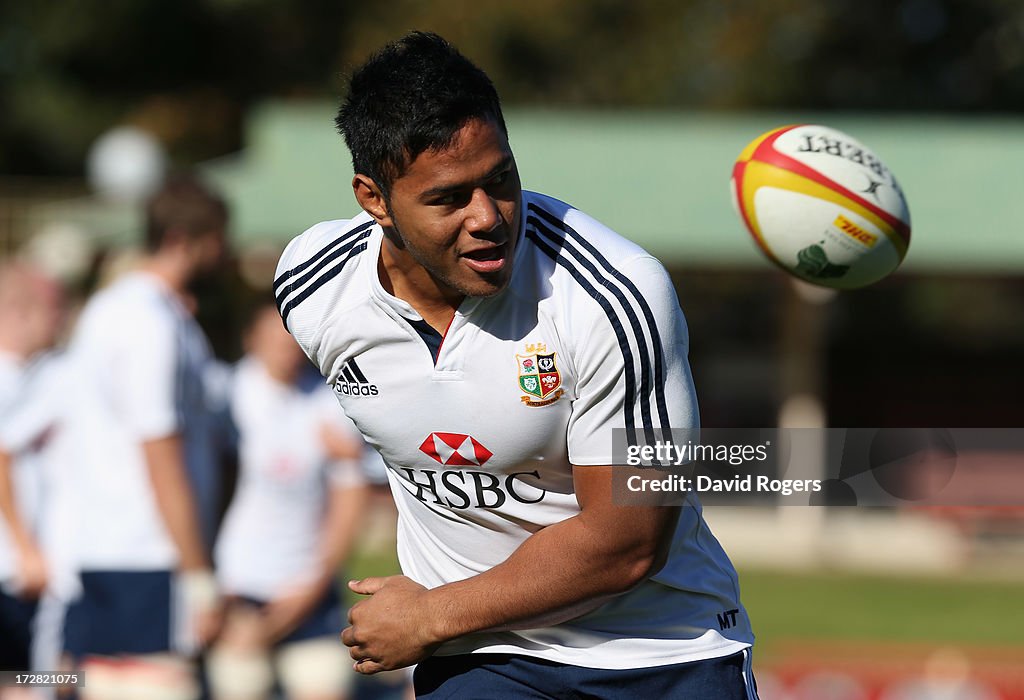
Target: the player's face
pixel 208 252
pixel 271 344
pixel 44 315
pixel 455 212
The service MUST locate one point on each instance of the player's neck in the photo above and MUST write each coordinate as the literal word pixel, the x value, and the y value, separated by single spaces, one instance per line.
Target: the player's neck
pixel 410 282
pixel 12 347
pixel 282 374
pixel 170 270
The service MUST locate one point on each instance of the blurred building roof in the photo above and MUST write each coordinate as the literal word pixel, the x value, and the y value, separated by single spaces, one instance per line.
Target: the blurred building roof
pixel 658 178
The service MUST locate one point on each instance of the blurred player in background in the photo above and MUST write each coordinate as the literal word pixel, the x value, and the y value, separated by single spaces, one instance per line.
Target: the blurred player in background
pixel 135 408
pixel 31 314
pixel 290 526
pixel 488 341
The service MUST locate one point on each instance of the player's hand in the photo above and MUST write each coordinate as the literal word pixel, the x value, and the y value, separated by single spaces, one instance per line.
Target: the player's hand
pixel 391 629
pixel 283 614
pixel 203 602
pixel 32 571
pixel 208 624
pixel 244 630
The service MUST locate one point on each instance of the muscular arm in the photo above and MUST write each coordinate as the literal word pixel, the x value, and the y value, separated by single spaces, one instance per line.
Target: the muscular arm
pixel 556 574
pixel 174 500
pixel 564 570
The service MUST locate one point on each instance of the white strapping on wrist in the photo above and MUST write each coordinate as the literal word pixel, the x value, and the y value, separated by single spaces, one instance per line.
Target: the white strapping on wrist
pixel 199 589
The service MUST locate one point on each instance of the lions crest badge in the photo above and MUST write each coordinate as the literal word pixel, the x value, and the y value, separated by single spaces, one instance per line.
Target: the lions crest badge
pixel 539 376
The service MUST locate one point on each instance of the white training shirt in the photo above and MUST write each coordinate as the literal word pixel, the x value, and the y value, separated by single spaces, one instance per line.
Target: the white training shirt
pixel 31 431
pixel 15 379
pixel 587 338
pixel 138 360
pixel 272 532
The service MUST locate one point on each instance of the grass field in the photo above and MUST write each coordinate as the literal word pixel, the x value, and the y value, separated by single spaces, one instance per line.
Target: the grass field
pixel 842 606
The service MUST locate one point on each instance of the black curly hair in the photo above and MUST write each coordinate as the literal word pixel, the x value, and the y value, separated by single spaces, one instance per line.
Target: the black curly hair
pixel 413 95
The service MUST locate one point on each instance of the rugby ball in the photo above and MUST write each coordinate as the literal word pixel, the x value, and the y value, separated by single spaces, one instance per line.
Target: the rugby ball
pixel 821 205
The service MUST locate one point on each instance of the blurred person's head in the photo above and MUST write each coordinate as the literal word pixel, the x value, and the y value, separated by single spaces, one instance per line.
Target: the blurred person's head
pixel 413 95
pixel 31 309
pixel 272 346
pixel 186 224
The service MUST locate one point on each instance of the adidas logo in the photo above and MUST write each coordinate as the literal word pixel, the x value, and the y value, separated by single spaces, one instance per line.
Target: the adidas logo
pixel 352 382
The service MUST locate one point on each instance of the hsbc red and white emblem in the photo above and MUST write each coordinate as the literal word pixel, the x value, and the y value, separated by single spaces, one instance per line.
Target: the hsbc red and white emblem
pixel 455 449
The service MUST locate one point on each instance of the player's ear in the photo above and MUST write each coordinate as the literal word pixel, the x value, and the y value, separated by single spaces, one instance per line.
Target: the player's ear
pixel 371 199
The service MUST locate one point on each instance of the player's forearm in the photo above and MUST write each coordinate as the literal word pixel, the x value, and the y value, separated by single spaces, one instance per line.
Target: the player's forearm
pixel 9 512
pixel 557 574
pixel 344 513
pixel 174 500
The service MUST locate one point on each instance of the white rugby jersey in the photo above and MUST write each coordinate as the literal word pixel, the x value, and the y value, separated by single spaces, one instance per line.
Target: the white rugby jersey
pixel 273 529
pixel 588 337
pixel 138 359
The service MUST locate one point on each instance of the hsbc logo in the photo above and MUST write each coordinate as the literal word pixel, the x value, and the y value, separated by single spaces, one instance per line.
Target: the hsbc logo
pixel 455 450
pixel 467 488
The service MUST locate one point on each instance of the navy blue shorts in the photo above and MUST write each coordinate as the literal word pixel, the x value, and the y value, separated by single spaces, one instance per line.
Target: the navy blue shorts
pixel 325 620
pixel 15 632
pixel 510 676
pixel 120 612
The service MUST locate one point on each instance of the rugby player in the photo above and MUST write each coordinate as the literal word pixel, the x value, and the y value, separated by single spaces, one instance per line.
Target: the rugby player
pixel 487 341
pixel 138 418
pixel 31 314
pixel 290 527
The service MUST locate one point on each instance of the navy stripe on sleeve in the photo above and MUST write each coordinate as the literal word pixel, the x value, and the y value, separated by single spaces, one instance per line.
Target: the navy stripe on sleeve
pixel 351 239
pixel 330 274
pixel 641 302
pixel 613 318
pixel 565 246
pixel 320 254
pixel 631 317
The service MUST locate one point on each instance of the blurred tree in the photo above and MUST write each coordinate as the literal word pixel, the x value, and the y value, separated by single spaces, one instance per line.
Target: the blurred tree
pixel 188 69
pixel 786 54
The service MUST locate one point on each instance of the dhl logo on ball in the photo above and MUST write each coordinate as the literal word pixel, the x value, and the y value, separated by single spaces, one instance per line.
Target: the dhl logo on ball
pixel 854 231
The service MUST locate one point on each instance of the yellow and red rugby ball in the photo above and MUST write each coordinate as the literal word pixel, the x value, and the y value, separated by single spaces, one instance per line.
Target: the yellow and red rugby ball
pixel 821 206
